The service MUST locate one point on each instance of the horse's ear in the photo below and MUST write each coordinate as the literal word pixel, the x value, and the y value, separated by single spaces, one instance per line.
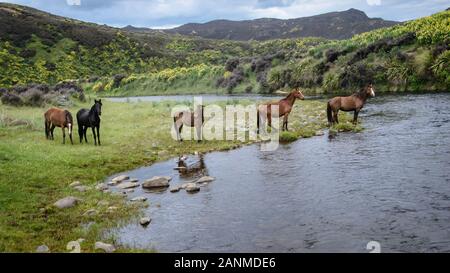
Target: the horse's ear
pixel 100 101
pixel 95 101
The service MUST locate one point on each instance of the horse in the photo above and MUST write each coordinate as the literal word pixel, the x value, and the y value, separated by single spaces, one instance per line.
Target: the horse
pixel 191 119
pixel 56 117
pixel 90 119
pixel 354 103
pixel 284 109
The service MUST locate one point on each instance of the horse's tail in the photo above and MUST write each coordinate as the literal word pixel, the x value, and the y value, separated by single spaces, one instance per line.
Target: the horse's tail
pixel 329 113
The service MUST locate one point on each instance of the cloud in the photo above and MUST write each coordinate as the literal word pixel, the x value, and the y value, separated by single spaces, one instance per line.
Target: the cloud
pixel 157 13
pixel 373 2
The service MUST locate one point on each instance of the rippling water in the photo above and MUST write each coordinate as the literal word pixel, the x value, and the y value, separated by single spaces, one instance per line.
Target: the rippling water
pixel 389 184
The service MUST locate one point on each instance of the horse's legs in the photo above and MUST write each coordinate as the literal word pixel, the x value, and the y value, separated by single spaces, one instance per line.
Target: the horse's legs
pixel 52 129
pixel 198 129
pixel 64 134
pixel 95 137
pixel 85 134
pixel 98 135
pixel 285 122
pixel 180 129
pixel 336 115
pixel 80 132
pixel 355 117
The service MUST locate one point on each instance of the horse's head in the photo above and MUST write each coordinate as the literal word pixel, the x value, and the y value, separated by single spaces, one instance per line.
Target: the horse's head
pixel 298 94
pixel 98 107
pixel 370 91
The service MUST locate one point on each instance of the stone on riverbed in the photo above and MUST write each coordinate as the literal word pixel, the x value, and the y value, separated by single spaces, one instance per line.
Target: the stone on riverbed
pixel 156 182
pixel 108 248
pixel 205 179
pixel 145 221
pixel 192 188
pixel 139 199
pixel 42 249
pixel 120 178
pixel 67 202
pixel 175 189
pixel 320 133
pixel 128 185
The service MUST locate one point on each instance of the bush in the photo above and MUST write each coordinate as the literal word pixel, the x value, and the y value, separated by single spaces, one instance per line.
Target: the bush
pixel 286 136
pixel 33 97
pixel 12 99
pixel 249 89
pixel 118 80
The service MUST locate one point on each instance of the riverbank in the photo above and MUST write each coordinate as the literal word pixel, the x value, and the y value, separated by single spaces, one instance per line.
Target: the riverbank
pixel 36 172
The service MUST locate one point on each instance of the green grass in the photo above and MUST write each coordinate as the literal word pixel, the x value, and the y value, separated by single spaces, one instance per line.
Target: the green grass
pixel 36 172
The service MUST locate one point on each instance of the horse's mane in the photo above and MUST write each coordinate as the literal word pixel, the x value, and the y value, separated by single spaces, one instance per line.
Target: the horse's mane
pixel 361 93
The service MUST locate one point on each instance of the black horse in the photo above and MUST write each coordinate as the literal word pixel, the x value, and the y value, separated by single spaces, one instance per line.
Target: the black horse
pixel 90 119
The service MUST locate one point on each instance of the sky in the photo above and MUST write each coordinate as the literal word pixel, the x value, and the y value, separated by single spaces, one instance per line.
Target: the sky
pixel 172 13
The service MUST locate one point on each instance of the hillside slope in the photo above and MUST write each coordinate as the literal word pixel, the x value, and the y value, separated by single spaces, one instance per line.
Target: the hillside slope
pixel 333 25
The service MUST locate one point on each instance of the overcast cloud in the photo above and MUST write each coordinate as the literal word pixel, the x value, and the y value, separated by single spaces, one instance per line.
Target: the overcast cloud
pixel 170 13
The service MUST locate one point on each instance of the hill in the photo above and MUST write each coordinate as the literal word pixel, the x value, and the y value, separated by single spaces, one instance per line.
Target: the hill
pixel 333 25
pixel 41 48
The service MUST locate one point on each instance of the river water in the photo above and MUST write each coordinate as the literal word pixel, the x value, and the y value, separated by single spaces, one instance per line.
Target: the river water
pixel 389 184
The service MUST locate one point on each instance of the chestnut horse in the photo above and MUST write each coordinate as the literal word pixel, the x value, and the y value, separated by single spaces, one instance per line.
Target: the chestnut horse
pixel 284 109
pixel 56 117
pixel 354 103
pixel 191 119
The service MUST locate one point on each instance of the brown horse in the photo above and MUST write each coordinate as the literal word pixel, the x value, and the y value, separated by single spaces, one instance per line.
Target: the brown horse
pixel 56 117
pixel 191 119
pixel 354 103
pixel 284 109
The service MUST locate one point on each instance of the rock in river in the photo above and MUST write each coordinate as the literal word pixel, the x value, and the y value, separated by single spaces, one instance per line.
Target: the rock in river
pixel 108 248
pixel 205 179
pixel 120 178
pixel 101 187
pixel 192 188
pixel 139 199
pixel 156 183
pixel 128 185
pixel 67 202
pixel 145 221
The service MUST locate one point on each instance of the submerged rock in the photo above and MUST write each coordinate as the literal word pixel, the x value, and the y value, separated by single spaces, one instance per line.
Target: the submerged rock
pixel 120 178
pixel 67 202
pixel 175 189
pixel 128 185
pixel 192 188
pixel 108 248
pixel 139 199
pixel 205 179
pixel 156 182
pixel 145 221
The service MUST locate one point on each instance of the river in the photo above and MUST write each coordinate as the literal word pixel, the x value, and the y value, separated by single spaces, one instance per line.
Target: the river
pixel 389 184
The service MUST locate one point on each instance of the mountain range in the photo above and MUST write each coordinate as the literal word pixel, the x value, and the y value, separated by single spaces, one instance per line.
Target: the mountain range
pixel 333 25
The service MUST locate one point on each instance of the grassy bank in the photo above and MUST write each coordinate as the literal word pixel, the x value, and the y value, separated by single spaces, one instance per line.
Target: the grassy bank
pixel 35 172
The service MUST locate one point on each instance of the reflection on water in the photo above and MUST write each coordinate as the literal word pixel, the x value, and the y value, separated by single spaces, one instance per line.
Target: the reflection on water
pixel 389 184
